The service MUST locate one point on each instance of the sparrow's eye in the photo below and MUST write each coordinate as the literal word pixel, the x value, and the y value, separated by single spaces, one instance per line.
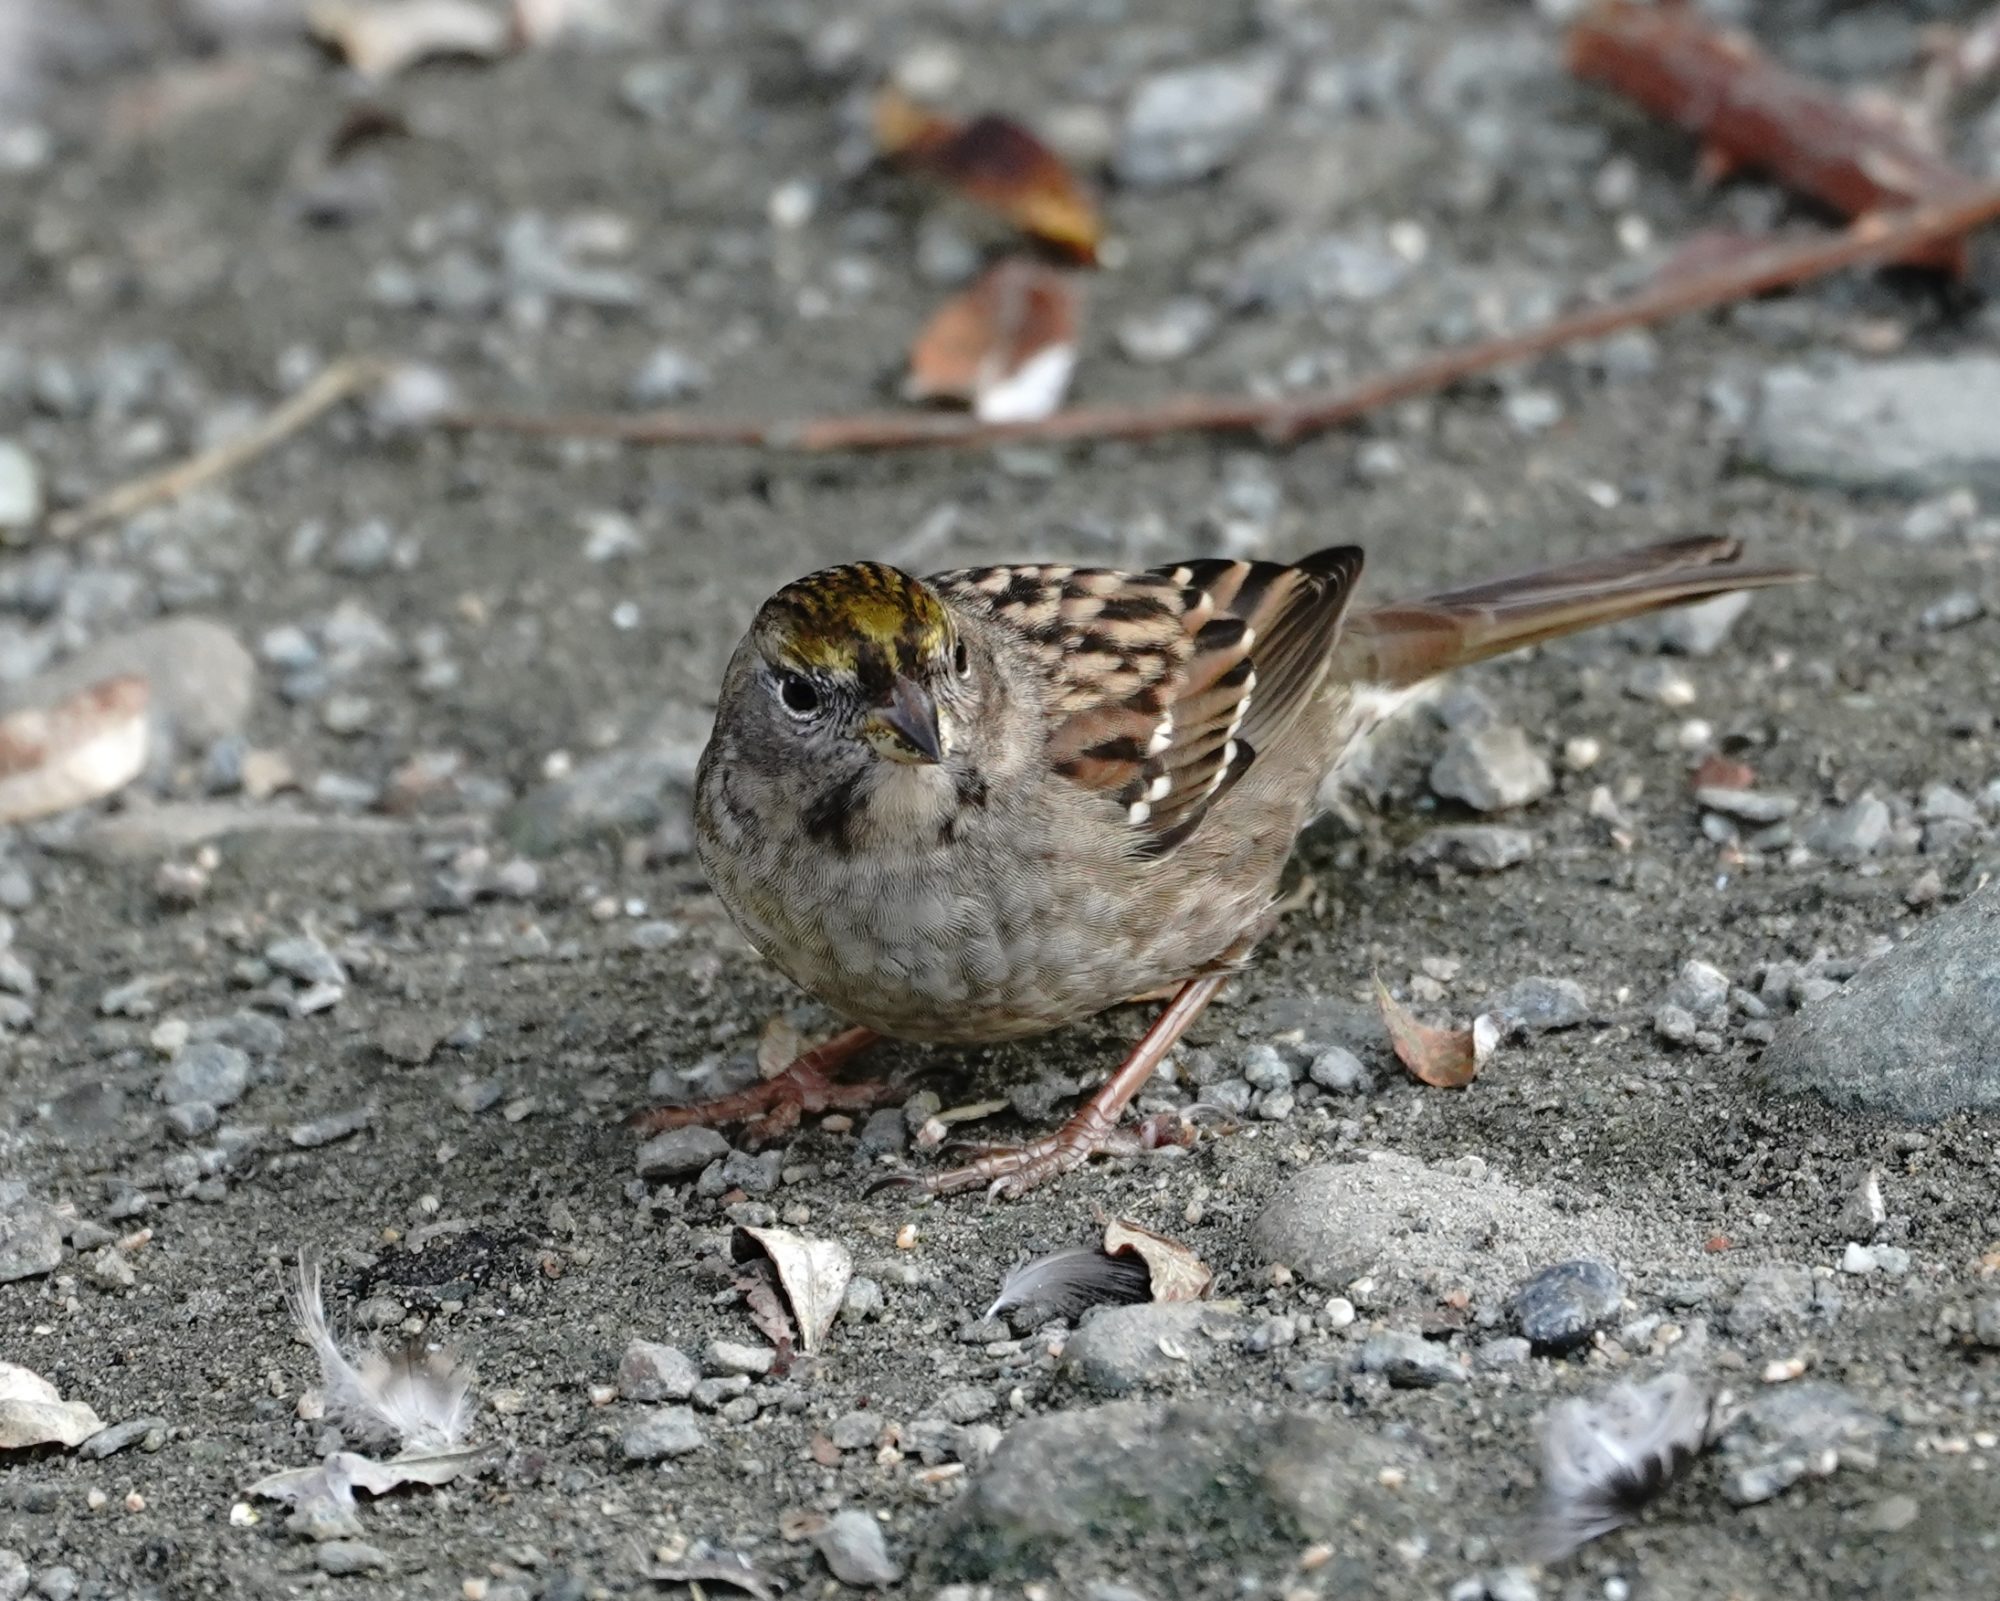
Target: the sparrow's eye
pixel 799 693
pixel 961 660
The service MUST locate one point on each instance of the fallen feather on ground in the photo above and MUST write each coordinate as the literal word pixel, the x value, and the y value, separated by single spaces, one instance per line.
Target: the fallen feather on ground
pixel 813 1275
pixel 1132 1264
pixel 88 746
pixel 33 1412
pixel 1605 1458
pixel 420 1398
pixel 322 1496
pixel 731 1570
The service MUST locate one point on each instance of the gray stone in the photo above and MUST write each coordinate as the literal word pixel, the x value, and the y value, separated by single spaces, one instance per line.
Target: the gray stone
pixel 1471 847
pixel 1491 769
pixel 306 959
pixel 652 1372
pixel 147 1433
pixel 1747 805
pixel 1541 1005
pixel 345 1558
pixel 1168 332
pixel 334 1126
pixel 621 792
pixel 20 487
pixel 1118 1349
pixel 1855 832
pixel 1188 123
pixel 733 1356
pixel 968 1403
pixel 1918 424
pixel 680 1153
pixel 1912 1033
pixel 1338 1069
pixel 661 1431
pixel 1229 1480
pixel 200 677
pixel 1952 610
pixel 31 1234
pixel 1394 1217
pixel 1409 1361
pixel 1701 629
pixel 1986 1322
pixel 1560 1307
pixel 855 1552
pixel 206 1071
pixel 1265 1068
pixel 668 376
pixel 1770 1297
pixel 13 1575
pixel 1788 1432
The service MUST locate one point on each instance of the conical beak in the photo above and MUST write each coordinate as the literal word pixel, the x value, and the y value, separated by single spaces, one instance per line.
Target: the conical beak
pixel 906 728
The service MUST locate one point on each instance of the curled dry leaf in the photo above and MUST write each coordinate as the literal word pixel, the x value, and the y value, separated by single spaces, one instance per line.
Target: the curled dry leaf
pixel 994 162
pixel 778 1047
pixel 80 749
pixel 1444 1058
pixel 758 1285
pixel 812 1273
pixel 1173 1271
pixel 1006 346
pixel 380 38
pixel 33 1412
pixel 343 1472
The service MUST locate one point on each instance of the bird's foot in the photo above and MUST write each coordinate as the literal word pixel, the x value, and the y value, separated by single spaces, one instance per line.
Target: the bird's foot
pixel 774 1107
pixel 1008 1172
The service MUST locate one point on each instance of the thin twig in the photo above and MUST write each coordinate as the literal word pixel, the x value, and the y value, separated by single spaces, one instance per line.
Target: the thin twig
pixel 1883 236
pixel 343 378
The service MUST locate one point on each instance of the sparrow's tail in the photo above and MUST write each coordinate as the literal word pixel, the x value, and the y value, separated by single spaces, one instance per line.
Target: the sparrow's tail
pixel 1403 644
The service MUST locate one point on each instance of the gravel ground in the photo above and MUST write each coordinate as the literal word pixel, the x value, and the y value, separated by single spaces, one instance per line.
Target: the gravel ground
pixel 403 921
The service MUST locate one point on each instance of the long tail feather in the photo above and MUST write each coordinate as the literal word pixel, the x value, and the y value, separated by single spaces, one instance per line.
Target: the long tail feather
pixel 1408 642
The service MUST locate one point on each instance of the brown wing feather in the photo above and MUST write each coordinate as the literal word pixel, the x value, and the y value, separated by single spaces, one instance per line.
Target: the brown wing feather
pixel 1164 683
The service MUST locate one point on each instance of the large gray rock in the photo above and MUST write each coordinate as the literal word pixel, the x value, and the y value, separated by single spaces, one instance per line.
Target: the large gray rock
pixel 30 1234
pixel 1400 1222
pixel 200 675
pixel 1917 424
pixel 1067 1492
pixel 1120 1348
pixel 1915 1033
pixel 1187 123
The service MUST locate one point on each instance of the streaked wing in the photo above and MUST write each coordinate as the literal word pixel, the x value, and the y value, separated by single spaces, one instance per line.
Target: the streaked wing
pixel 1165 683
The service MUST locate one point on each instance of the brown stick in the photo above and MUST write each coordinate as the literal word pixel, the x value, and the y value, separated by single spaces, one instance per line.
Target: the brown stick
pixel 1750 112
pixel 331 387
pixel 1881 237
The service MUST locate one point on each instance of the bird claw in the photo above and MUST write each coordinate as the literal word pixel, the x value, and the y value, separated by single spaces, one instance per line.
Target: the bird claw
pixel 773 1108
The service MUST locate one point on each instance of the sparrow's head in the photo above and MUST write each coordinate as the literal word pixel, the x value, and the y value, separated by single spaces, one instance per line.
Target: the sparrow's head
pixel 861 656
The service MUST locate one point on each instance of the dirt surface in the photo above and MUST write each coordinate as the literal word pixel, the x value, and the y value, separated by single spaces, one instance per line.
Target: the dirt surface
pixel 177 254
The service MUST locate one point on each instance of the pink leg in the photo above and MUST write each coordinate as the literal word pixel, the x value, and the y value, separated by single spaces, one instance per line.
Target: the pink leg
pixel 775 1106
pixel 1012 1173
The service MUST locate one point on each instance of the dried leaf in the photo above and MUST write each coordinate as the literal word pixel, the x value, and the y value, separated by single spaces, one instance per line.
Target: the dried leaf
pixel 380 38
pixel 759 1289
pixel 80 749
pixel 1442 1057
pixel 1173 1272
pixel 1006 346
pixel 778 1047
pixel 1605 1458
pixel 343 1472
pixel 730 1569
pixel 33 1412
pixel 994 162
pixel 812 1273
pixel 1066 1283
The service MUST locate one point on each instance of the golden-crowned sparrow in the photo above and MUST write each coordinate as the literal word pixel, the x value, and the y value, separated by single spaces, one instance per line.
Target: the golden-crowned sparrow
pixel 988 803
